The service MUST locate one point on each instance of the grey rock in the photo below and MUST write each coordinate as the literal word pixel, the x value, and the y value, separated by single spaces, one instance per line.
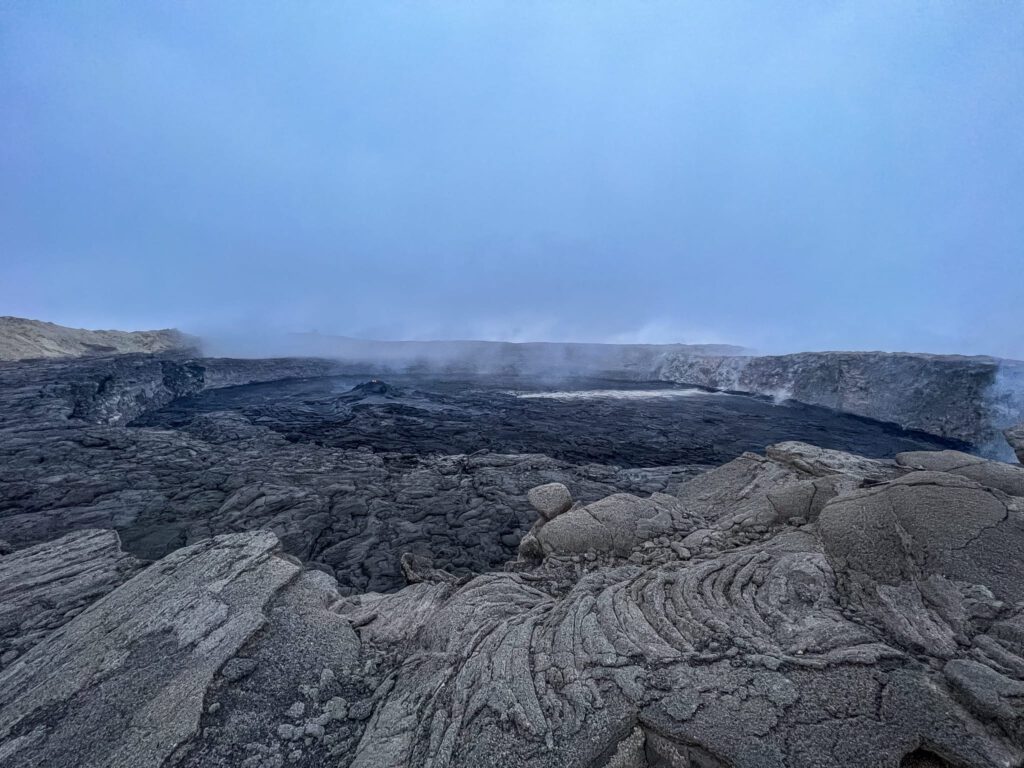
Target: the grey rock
pixel 530 547
pixel 686 622
pixel 350 512
pixel 1008 478
pixel 991 694
pixel 925 524
pixel 550 499
pixel 22 339
pixel 630 752
pixel 237 669
pixel 360 710
pixel 1015 437
pixel 751 645
pixel 336 708
pixel 753 495
pixel 616 524
pixel 416 568
pixel 822 462
pixel 892 620
pixel 43 587
pixel 968 398
pixel 193 610
pixel 302 635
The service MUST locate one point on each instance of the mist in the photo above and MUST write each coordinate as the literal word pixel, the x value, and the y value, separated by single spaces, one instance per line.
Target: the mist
pixel 778 176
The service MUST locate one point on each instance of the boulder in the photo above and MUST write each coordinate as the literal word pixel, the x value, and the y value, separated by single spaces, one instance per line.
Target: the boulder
pixel 614 524
pixel 550 499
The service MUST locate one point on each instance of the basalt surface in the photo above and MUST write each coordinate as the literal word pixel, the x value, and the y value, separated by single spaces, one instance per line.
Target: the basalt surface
pixel 575 420
pixel 801 607
pixel 1015 437
pixel 350 476
pixel 340 579
pixel 967 398
pixel 68 462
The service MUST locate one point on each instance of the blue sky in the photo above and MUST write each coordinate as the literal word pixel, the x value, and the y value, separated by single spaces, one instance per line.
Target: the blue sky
pixel 781 175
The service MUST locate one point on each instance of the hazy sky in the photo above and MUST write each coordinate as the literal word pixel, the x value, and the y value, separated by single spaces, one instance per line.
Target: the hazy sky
pixel 781 175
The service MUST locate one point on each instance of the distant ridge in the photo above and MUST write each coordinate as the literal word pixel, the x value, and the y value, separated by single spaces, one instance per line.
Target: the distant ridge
pixel 23 339
pixel 458 351
pixel 539 359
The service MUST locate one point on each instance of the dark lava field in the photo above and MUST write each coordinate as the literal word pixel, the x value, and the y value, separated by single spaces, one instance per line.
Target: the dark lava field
pixel 351 472
pixel 579 421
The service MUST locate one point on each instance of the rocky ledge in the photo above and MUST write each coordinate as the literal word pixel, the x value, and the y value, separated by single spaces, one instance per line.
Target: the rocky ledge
pixel 1015 437
pixel 966 398
pixel 22 339
pixel 116 389
pixel 799 608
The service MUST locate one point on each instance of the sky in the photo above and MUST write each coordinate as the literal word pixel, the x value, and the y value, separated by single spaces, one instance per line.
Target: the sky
pixel 784 175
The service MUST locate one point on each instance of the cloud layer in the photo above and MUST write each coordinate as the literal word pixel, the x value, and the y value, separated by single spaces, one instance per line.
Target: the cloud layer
pixel 783 176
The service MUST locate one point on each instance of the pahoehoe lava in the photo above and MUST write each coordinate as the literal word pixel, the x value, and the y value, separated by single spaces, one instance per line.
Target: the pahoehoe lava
pixel 451 572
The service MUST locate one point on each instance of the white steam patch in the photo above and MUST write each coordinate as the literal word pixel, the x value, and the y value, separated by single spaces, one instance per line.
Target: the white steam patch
pixel 617 394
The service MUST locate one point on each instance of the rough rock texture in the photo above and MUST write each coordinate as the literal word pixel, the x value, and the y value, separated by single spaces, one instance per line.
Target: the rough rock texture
pixel 45 586
pixel 618 524
pixel 1008 478
pixel 91 694
pixel 22 339
pixel 349 478
pixel 1015 437
pixel 825 610
pixel 644 425
pixel 767 642
pixel 117 389
pixel 67 462
pixel 968 398
pixel 804 607
pixel 550 499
